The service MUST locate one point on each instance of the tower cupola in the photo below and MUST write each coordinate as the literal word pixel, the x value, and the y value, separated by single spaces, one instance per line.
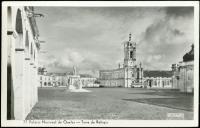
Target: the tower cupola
pixel 129 52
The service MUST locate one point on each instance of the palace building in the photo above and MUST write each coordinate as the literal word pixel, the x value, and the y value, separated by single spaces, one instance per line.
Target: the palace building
pixel 133 75
pixel 64 79
pixel 127 76
pixel 157 79
pixel 183 73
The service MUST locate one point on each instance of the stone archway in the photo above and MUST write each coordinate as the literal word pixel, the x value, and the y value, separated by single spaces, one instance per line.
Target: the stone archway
pixel 19 31
pixel 18 23
pixel 148 82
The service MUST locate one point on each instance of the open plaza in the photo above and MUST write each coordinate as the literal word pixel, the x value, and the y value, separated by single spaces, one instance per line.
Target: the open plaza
pixel 112 104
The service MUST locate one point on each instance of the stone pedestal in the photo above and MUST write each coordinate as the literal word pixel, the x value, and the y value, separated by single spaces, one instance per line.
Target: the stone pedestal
pixel 75 84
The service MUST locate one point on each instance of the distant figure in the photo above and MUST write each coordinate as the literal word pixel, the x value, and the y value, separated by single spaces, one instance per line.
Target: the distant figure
pixel 150 83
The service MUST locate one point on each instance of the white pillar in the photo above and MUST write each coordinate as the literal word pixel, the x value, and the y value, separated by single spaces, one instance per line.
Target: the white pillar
pixel 27 107
pixel 160 82
pixel 157 82
pixel 19 111
pixel 36 85
pixel 32 85
pixel 29 86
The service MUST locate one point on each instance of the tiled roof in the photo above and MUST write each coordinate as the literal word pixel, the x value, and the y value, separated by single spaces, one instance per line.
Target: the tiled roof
pixel 157 73
pixel 86 75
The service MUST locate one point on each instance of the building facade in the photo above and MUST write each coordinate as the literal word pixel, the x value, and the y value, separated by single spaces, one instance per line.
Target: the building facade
pixel 65 79
pixel 52 80
pixel 183 73
pixel 127 76
pixel 22 50
pixel 89 82
pixel 157 79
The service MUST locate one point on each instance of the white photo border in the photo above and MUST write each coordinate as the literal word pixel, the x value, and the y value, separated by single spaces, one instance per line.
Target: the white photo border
pixel 118 123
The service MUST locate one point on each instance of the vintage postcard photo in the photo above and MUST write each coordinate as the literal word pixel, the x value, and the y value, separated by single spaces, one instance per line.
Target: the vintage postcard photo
pixel 100 63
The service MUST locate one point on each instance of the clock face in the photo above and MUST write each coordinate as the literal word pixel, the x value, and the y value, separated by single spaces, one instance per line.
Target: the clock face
pixel 130 63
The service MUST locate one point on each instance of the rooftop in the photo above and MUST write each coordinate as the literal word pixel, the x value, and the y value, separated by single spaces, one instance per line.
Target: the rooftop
pixel 190 55
pixel 157 73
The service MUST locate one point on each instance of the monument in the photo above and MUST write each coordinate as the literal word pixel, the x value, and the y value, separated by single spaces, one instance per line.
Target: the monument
pixel 74 82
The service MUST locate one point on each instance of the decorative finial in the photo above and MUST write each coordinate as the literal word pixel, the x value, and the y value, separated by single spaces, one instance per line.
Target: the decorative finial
pixel 130 37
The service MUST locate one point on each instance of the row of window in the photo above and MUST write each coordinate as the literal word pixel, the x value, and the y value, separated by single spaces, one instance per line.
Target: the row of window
pixel 168 82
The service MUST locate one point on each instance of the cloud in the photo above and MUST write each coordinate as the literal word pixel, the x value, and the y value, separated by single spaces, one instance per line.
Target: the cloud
pixel 165 40
pixel 179 11
pixel 85 61
pixel 92 38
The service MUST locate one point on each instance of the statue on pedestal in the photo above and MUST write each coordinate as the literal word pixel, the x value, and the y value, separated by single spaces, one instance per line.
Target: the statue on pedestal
pixel 75 83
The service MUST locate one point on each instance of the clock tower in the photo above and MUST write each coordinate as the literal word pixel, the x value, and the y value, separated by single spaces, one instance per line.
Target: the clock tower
pixel 129 53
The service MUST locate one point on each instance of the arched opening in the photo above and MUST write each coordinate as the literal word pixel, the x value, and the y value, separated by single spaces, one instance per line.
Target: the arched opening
pixel 34 55
pixel 150 83
pixel 27 41
pixel 31 49
pixel 9 18
pixel 18 25
pixel 19 30
pixel 163 83
pixel 131 54
pixel 27 44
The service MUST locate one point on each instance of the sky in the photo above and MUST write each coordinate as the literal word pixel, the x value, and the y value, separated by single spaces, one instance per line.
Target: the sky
pixel 91 38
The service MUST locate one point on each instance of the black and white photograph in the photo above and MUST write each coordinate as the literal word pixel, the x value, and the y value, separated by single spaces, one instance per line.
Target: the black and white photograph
pixel 129 63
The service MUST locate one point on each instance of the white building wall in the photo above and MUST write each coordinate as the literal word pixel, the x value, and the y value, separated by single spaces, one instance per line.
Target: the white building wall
pixel 158 82
pixel 88 82
pixel 24 75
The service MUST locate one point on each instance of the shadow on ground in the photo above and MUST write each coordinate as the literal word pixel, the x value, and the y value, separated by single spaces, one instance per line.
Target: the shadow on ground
pixel 177 100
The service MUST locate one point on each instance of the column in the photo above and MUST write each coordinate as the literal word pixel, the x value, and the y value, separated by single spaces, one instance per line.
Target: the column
pixel 19 110
pixel 160 82
pixel 27 107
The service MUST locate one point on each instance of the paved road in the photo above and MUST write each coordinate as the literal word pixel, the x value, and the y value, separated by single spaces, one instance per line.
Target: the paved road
pixel 111 103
